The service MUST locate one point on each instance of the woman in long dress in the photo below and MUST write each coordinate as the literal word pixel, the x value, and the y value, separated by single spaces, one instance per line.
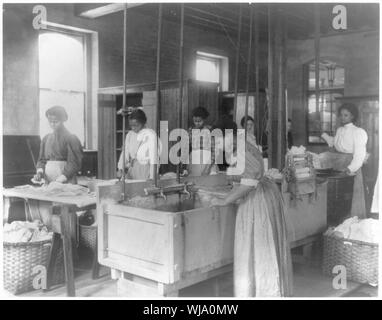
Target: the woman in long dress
pixel 262 259
pixel 348 153
pixel 141 149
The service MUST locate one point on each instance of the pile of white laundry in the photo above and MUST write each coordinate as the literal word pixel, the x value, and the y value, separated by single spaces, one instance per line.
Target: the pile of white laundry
pixel 23 231
pixel 365 230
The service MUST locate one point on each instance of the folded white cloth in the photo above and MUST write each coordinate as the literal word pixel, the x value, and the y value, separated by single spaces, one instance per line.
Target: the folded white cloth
pixel 366 230
pixel 23 231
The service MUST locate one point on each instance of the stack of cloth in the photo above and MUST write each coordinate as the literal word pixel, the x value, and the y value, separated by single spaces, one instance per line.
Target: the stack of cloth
pixel 365 230
pixel 274 174
pixel 23 231
pixel 57 189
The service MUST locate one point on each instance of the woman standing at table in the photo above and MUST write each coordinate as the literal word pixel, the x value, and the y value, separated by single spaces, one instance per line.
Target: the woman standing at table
pixel 202 155
pixel 140 149
pixel 262 259
pixel 60 151
pixel 348 154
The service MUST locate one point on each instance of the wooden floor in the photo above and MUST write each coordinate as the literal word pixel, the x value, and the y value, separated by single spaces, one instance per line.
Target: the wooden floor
pixel 308 282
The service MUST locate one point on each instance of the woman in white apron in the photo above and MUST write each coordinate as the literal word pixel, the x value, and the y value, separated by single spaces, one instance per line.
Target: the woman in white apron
pixel 141 144
pixel 348 154
pixel 59 160
pixel 202 155
pixel 60 151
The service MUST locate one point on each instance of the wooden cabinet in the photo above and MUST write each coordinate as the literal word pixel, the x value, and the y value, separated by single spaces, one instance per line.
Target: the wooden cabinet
pixel 195 93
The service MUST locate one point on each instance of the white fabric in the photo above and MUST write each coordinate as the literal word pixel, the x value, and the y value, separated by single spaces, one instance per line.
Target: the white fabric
pixel 366 230
pixel 249 182
pixel 350 139
pixel 140 146
pixel 54 169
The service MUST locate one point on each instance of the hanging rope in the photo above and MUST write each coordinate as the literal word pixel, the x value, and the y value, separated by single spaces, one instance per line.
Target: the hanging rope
pixel 180 109
pixel 124 108
pixel 237 61
pixel 248 69
pixel 158 97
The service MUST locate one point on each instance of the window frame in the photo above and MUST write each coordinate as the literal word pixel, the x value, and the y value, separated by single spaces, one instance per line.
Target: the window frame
pixel 88 87
pixel 307 92
pixel 222 63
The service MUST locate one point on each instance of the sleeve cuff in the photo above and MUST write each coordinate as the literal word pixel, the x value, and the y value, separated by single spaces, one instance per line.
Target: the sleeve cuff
pixel 249 182
pixel 351 169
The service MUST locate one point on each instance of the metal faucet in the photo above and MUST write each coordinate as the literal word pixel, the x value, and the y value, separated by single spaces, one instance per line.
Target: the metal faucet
pixel 161 194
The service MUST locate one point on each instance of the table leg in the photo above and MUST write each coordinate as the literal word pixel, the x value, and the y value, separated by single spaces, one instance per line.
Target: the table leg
pixel 67 246
pixel 95 267
pixel 54 250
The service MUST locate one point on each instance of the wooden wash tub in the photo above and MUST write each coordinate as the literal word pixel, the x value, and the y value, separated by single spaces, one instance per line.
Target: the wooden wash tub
pixel 159 247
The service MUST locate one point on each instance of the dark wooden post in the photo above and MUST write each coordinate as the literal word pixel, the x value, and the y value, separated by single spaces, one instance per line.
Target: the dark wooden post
pixel 276 88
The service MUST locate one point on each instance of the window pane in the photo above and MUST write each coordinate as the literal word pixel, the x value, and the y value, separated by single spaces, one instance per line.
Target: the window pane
pixel 207 70
pixel 324 119
pixel 330 75
pixel 74 106
pixel 61 62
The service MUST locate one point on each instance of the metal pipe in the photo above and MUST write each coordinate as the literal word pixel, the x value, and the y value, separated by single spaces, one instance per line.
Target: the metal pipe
pixel 124 103
pixel 181 52
pixel 158 98
pixel 270 85
pixel 280 99
pixel 317 54
pixel 248 69
pixel 257 98
pixel 237 62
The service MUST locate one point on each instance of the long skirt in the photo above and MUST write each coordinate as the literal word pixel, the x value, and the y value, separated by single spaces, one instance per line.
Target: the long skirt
pixel 340 161
pixel 262 258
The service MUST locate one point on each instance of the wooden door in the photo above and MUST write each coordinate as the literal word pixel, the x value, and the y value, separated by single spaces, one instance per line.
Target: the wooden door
pixel 106 136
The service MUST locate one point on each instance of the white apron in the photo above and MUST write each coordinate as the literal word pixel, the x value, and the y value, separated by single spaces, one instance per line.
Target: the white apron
pixel 54 169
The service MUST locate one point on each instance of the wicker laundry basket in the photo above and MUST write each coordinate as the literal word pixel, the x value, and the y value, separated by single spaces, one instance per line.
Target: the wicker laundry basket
pixel 359 258
pixel 88 237
pixel 19 262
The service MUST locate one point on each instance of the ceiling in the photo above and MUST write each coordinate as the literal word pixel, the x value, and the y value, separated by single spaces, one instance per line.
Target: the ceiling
pixel 224 17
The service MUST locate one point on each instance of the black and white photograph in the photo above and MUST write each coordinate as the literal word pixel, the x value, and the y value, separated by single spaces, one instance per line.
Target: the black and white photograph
pixel 190 150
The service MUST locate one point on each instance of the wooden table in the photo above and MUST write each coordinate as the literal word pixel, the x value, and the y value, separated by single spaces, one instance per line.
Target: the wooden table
pixel 62 205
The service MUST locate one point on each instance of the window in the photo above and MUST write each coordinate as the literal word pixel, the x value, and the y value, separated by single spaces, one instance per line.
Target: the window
pixel 212 68
pixel 323 118
pixel 62 79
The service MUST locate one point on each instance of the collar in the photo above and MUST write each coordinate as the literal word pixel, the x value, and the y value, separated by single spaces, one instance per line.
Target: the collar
pixel 349 125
